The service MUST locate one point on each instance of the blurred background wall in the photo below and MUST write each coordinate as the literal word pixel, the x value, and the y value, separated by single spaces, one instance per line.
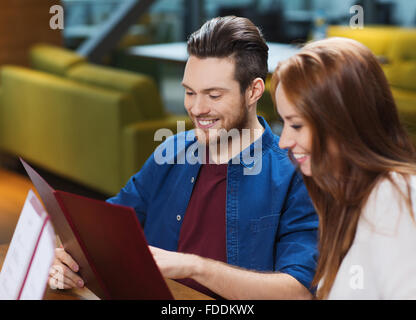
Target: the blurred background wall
pixel 24 23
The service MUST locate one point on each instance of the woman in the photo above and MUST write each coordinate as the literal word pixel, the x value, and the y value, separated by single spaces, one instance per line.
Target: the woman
pixel 342 129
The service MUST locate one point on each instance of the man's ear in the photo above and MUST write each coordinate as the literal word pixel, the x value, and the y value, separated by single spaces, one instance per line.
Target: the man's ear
pixel 255 91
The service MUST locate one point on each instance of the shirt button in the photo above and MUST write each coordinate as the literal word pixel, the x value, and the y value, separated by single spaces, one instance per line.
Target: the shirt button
pixel 178 217
pixel 192 180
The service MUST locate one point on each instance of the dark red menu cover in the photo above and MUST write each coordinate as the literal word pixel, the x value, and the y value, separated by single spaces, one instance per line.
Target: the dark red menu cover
pixel 107 242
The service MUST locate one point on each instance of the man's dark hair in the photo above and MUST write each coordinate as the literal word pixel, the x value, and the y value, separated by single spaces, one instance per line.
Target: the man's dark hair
pixel 234 37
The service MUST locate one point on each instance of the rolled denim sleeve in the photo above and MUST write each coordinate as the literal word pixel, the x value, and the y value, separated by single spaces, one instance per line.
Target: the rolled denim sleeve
pixel 297 243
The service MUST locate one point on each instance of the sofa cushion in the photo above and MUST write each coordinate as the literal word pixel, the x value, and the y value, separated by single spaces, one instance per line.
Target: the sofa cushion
pixel 53 59
pixel 376 38
pixel 404 60
pixel 141 87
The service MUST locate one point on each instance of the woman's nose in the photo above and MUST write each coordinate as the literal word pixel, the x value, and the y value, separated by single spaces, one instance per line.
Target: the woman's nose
pixel 286 141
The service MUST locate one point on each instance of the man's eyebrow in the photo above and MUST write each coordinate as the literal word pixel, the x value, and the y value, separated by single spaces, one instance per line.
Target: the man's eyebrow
pixel 186 86
pixel 207 89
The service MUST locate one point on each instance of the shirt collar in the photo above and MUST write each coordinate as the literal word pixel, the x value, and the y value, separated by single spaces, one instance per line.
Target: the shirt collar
pixel 256 150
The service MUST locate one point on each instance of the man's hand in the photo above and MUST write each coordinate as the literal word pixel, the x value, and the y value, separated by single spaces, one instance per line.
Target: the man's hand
pixel 62 274
pixel 228 281
pixel 175 265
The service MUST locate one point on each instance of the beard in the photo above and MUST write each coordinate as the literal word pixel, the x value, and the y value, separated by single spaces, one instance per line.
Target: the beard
pixel 216 136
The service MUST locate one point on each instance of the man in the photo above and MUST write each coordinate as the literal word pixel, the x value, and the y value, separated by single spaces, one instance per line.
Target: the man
pixel 216 225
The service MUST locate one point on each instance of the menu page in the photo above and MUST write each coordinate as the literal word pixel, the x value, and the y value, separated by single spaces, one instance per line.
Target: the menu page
pixel 25 270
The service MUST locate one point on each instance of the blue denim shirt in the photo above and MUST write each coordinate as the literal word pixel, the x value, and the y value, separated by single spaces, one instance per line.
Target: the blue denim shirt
pixel 271 224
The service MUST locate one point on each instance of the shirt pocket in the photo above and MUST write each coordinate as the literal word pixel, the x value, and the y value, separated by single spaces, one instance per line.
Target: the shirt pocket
pixel 262 242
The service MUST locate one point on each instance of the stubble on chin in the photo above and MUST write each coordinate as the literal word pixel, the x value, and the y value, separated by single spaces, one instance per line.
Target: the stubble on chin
pixel 213 136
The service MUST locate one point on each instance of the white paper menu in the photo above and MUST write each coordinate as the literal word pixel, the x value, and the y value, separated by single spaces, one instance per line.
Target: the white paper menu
pixel 25 271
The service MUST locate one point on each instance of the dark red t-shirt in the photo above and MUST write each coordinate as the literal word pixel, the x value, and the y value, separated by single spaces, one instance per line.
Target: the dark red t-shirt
pixel 203 227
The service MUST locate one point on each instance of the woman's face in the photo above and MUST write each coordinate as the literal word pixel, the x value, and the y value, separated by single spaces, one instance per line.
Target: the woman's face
pixel 296 135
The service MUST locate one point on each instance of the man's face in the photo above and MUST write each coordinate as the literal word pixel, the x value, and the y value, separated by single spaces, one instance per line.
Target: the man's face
pixel 212 97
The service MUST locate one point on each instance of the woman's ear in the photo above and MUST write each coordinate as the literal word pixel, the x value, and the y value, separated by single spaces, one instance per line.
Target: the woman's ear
pixel 255 91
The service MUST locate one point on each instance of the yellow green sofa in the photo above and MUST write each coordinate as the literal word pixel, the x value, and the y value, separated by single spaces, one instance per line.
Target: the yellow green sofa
pixel 396 49
pixel 89 123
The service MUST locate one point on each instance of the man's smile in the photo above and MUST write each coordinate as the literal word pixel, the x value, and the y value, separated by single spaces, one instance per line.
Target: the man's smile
pixel 206 123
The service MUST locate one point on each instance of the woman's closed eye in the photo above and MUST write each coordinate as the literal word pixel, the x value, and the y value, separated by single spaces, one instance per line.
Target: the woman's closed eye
pixel 296 126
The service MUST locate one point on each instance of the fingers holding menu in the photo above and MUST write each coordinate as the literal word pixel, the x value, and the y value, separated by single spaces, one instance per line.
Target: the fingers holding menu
pixel 62 274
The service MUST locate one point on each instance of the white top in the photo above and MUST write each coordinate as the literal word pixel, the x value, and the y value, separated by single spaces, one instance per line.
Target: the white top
pixel 381 263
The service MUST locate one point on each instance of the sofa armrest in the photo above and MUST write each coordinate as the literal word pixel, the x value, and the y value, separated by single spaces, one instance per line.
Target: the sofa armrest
pixel 68 128
pixel 139 143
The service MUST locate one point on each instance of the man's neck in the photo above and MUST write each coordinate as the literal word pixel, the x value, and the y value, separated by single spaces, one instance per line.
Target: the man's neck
pixel 221 154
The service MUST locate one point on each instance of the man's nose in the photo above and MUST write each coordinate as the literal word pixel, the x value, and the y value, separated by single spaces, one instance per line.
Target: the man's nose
pixel 200 107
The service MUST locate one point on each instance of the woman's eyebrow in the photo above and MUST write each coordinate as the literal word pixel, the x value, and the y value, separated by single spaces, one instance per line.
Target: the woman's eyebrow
pixel 290 117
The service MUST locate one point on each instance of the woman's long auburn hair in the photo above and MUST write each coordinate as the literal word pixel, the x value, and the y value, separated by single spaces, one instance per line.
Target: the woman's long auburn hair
pixel 340 90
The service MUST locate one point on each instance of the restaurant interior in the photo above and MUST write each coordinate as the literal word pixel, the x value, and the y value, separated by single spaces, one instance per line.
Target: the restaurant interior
pixel 84 84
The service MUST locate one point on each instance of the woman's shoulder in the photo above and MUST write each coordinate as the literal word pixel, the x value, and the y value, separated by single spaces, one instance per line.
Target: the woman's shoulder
pixel 385 236
pixel 388 204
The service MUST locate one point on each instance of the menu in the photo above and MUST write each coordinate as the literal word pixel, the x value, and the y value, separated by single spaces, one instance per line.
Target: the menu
pixel 25 271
